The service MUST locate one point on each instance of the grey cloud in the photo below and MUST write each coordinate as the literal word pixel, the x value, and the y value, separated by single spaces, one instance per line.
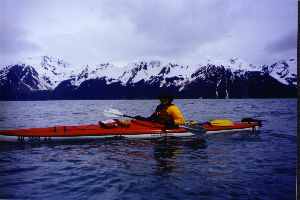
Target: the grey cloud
pixel 123 31
pixel 13 36
pixel 288 42
pixel 13 41
pixel 176 28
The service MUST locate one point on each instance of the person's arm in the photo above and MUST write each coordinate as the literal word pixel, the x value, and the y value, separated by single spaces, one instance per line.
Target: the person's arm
pixel 138 117
pixel 154 115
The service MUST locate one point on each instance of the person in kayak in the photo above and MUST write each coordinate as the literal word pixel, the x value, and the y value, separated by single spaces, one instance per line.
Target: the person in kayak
pixel 166 112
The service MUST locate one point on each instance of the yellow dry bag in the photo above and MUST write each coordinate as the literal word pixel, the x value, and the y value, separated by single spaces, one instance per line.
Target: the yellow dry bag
pixel 221 122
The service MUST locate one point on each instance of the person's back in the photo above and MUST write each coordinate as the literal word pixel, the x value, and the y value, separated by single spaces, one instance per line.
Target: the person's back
pixel 167 113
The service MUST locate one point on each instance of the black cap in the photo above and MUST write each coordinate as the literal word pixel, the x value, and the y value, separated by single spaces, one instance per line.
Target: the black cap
pixel 166 95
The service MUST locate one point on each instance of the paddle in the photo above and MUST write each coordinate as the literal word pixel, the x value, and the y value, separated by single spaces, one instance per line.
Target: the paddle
pixel 111 112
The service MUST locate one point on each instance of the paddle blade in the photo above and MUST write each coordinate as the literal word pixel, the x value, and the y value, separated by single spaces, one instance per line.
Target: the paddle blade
pixel 110 112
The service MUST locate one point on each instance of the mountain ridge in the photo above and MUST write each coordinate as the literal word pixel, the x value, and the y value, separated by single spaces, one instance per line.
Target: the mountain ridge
pixel 56 78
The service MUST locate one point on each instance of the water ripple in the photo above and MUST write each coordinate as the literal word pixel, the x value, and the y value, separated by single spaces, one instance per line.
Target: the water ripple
pixel 225 166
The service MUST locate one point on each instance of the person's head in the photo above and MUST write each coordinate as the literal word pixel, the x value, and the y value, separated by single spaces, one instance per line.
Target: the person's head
pixel 165 98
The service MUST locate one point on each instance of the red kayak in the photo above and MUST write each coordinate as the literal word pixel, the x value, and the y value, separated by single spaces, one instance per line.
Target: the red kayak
pixel 133 129
pixel 136 129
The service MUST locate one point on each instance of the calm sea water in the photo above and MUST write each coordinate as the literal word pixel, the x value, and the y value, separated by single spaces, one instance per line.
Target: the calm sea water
pixel 231 166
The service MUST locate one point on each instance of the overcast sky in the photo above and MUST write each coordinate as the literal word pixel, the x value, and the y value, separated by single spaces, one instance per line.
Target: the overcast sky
pixel 123 31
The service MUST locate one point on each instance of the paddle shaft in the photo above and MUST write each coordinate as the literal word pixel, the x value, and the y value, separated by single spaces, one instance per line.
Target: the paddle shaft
pixel 145 119
pixel 122 115
pixel 128 116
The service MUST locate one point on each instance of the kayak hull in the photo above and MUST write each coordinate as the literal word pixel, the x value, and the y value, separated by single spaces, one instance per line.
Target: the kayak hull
pixel 8 138
pixel 236 127
pixel 137 129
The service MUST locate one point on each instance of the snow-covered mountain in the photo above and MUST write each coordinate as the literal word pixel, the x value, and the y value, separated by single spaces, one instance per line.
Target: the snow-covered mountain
pixel 283 70
pixel 49 73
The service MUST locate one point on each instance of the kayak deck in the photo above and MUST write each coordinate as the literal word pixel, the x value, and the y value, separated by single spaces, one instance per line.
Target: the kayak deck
pixel 237 126
pixel 136 129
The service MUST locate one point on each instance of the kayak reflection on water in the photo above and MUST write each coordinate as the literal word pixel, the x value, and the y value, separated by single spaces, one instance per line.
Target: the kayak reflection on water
pixel 167 150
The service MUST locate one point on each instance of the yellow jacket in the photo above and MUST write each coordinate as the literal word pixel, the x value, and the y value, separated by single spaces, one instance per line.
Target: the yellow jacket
pixel 171 111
